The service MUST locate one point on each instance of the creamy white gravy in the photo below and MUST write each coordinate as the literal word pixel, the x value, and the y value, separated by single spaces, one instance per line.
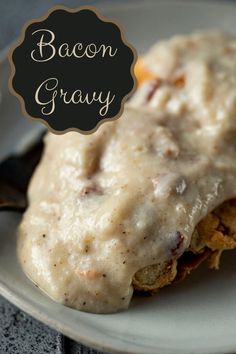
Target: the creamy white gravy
pixel 105 205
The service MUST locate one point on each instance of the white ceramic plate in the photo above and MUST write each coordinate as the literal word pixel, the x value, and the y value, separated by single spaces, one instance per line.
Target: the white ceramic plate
pixel 197 316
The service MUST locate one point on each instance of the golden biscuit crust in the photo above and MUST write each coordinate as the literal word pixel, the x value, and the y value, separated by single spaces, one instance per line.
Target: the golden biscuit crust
pixel 214 234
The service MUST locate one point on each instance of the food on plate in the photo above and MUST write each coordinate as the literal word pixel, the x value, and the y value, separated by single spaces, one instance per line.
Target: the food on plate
pixel 147 198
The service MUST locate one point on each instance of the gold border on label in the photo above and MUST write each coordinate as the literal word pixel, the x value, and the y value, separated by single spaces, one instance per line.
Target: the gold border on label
pixel 20 40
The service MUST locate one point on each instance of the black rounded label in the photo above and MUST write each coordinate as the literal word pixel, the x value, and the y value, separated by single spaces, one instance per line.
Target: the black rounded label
pixel 72 70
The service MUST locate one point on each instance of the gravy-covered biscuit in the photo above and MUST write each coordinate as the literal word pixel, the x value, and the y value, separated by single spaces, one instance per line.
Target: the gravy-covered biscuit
pixel 131 206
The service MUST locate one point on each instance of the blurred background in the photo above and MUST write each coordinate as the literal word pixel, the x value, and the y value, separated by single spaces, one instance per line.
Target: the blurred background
pixel 14 13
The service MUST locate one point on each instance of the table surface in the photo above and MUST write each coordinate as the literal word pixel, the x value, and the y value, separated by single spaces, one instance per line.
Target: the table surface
pixel 20 333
